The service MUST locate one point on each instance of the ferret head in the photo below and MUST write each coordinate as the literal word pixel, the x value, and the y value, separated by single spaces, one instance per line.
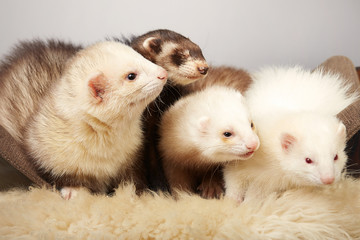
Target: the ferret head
pixel 110 78
pixel 224 128
pixel 182 58
pixel 312 147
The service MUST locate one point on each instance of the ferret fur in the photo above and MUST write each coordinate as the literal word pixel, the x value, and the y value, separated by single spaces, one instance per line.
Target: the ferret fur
pixel 26 76
pixel 185 64
pixel 302 141
pixel 227 76
pixel 178 55
pixel 192 136
pixel 83 128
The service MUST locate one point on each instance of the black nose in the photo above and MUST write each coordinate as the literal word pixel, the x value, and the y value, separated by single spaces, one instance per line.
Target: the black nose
pixel 203 70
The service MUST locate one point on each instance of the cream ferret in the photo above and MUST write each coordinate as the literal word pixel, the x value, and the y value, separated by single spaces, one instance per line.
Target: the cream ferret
pixel 82 129
pixel 302 141
pixel 202 131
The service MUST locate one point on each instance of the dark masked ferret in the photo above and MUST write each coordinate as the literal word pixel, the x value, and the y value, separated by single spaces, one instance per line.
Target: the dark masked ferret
pixel 83 128
pixel 178 55
pixel 185 64
pixel 202 131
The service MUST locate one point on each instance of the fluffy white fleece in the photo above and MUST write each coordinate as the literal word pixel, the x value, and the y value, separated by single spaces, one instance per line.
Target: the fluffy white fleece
pixel 331 212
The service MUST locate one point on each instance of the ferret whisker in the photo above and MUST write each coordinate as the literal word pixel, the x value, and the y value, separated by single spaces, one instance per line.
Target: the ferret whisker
pixel 351 172
pixel 213 172
pixel 158 107
pixel 148 110
pixel 222 147
pixel 352 165
pixel 170 86
pixel 159 99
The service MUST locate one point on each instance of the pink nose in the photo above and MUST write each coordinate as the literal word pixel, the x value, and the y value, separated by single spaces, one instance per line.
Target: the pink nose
pixel 252 145
pixel 163 74
pixel 327 180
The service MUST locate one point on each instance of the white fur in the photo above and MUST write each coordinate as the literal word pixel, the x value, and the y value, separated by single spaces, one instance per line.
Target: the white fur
pixel 296 89
pixel 309 213
pixel 75 133
pixel 197 123
pixel 299 105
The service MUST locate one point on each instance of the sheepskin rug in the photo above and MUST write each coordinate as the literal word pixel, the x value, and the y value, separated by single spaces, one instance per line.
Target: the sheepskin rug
pixel 331 212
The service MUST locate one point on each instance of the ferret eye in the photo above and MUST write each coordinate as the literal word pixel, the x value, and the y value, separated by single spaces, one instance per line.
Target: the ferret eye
pixel 336 157
pixel 131 76
pixel 227 134
pixel 186 54
pixel 252 125
pixel 308 161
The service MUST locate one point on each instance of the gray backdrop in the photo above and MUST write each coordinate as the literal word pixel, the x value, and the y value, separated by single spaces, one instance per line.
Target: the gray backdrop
pixel 247 34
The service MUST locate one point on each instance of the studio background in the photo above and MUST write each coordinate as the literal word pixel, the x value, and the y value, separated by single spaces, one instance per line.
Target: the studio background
pixel 247 34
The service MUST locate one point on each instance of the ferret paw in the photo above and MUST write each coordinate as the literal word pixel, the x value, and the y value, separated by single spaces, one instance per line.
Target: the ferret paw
pixel 68 193
pixel 239 198
pixel 210 190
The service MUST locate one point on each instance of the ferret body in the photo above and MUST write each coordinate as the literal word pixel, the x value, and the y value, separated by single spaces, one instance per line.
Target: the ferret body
pixel 26 77
pixel 184 62
pixel 82 127
pixel 302 141
pixel 202 131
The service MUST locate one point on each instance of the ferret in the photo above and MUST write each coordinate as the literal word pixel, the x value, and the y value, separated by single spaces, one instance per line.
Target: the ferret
pixel 302 141
pixel 202 131
pixel 185 64
pixel 82 127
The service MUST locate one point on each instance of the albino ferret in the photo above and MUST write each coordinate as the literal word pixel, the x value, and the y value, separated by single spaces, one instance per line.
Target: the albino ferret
pixel 202 131
pixel 83 128
pixel 302 141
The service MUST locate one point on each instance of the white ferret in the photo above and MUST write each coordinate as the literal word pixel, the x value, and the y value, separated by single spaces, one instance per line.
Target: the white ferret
pixel 202 131
pixel 302 141
pixel 85 129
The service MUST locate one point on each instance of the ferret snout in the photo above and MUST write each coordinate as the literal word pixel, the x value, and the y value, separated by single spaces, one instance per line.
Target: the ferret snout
pixel 203 69
pixel 327 180
pixel 252 146
pixel 163 75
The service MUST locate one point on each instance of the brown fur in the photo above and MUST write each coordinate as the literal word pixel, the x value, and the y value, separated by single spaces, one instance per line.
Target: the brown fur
pixel 194 176
pixel 224 76
pixel 45 62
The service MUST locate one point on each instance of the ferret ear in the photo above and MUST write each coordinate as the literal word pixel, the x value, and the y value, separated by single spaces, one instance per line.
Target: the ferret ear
pixel 97 86
pixel 341 131
pixel 152 44
pixel 287 141
pixel 203 123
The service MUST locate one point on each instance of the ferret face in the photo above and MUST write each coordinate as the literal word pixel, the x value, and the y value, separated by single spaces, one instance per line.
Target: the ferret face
pixel 184 63
pixel 316 155
pixel 227 133
pixel 182 58
pixel 111 78
pixel 135 81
